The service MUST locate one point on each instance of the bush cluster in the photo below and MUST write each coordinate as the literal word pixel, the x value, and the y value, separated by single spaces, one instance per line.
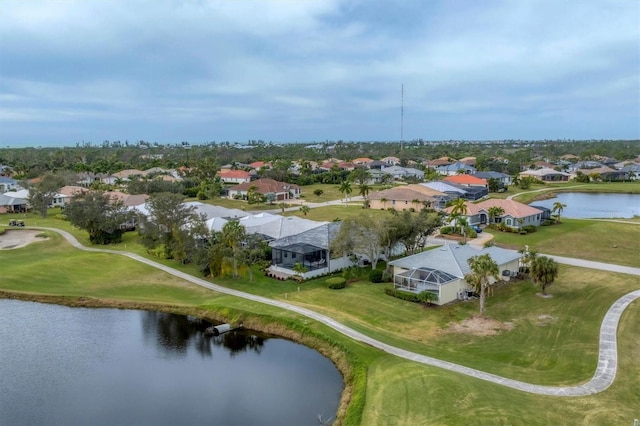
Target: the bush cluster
pixel 400 294
pixel 336 283
pixel 375 276
pixel 446 230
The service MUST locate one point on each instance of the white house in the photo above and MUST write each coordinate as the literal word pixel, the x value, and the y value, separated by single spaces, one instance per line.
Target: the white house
pixel 442 270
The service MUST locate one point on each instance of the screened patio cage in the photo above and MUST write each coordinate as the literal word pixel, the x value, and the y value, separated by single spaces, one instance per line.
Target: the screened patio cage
pixel 309 256
pixel 420 279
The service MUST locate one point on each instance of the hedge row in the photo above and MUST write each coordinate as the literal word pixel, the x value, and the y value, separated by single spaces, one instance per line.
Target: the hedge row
pixel 400 294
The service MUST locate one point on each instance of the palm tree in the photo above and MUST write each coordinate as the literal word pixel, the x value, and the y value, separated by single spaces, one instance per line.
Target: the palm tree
pixel 495 212
pixel 459 209
pixel 483 268
pixel 282 207
pixel 415 202
pixel 383 200
pixel 527 259
pixel 364 190
pixel 305 210
pixel 558 207
pixel 345 189
pixel 544 271
pixel 233 234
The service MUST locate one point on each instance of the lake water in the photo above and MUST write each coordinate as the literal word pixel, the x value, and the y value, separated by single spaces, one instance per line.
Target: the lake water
pixel 590 205
pixel 77 366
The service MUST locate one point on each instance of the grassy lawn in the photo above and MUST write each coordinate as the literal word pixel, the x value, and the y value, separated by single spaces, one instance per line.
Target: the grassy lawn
pixel 597 240
pixel 553 341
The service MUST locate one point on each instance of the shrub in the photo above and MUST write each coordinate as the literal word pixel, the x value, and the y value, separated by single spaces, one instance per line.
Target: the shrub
pixel 375 276
pixel 336 283
pixel 445 230
pixel 530 229
pixel 471 233
pixel 62 216
pixel 318 192
pixel 400 294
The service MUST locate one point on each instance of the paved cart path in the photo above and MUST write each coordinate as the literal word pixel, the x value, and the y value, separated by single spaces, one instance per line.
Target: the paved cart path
pixel 607 358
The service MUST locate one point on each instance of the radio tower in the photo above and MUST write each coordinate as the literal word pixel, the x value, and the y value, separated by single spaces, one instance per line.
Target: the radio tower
pixel 402 118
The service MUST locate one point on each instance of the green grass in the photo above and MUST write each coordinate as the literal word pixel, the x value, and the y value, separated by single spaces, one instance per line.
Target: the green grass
pixel 341 212
pixel 597 240
pixel 554 341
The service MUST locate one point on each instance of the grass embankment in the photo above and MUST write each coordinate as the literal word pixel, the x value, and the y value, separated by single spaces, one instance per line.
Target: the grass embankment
pixel 597 240
pixel 554 341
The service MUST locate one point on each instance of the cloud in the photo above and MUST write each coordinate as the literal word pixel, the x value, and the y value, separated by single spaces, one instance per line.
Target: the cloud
pixel 315 70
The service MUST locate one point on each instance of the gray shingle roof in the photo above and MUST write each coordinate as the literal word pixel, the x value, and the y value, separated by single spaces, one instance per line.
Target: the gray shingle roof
pixel 452 258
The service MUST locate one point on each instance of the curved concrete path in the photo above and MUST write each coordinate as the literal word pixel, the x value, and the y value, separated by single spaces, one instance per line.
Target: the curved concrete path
pixel 602 379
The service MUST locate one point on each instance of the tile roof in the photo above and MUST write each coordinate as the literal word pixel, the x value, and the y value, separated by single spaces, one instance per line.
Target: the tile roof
pixel 511 208
pixel 465 180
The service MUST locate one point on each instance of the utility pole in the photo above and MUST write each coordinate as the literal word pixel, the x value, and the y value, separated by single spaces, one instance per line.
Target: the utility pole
pixel 402 118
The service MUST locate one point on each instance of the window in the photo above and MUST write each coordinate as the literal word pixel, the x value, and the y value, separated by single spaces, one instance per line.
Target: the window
pixel 508 222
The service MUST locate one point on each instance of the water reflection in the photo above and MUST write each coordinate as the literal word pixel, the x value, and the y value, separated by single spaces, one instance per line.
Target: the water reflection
pixel 63 366
pixel 175 334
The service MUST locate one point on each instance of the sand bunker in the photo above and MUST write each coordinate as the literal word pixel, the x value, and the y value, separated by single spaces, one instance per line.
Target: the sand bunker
pixel 13 238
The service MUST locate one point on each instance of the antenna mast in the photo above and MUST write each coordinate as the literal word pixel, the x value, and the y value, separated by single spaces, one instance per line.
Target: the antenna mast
pixel 402 117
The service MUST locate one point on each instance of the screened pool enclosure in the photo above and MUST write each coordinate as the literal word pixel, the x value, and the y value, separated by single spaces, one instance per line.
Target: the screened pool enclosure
pixel 420 279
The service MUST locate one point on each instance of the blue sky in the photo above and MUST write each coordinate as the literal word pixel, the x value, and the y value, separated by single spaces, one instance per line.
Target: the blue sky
pixel 196 70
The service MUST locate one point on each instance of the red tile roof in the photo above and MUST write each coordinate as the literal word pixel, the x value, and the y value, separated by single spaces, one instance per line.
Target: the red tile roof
pixel 466 180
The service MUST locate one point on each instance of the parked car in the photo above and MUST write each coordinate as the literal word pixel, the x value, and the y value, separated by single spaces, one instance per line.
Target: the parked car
pixel 477 228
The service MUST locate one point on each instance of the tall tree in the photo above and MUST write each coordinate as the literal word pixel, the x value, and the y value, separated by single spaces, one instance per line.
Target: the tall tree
pixel 544 271
pixel 233 235
pixel 345 189
pixel 43 193
pixel 361 236
pixel 102 217
pixel 558 208
pixel 173 224
pixel 483 268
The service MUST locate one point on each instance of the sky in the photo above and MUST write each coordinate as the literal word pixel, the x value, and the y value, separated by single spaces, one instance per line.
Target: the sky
pixel 168 71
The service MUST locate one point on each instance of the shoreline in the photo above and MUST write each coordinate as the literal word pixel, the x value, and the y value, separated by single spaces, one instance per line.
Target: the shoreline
pixel 334 351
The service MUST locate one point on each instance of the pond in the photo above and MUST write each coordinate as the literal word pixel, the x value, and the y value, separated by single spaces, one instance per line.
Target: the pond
pixel 62 366
pixel 587 205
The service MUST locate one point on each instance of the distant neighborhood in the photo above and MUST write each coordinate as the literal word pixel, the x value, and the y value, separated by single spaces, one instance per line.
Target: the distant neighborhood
pixel 456 191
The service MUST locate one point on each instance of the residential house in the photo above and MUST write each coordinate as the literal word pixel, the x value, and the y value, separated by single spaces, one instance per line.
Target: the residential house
pixel 282 191
pixel 65 194
pixel 474 187
pixel 234 176
pixel 11 203
pixel 311 249
pixel 7 184
pixel 362 161
pixel 516 215
pixel 455 169
pixel 442 161
pixel 546 175
pixel 442 271
pixel 399 173
pixel 632 171
pixel 503 178
pixel 391 161
pixel 466 180
pixel 605 173
pixel 469 161
pixel 416 197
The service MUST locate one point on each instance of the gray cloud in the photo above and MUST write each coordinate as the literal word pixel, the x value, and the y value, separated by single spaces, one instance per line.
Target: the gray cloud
pixel 315 70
